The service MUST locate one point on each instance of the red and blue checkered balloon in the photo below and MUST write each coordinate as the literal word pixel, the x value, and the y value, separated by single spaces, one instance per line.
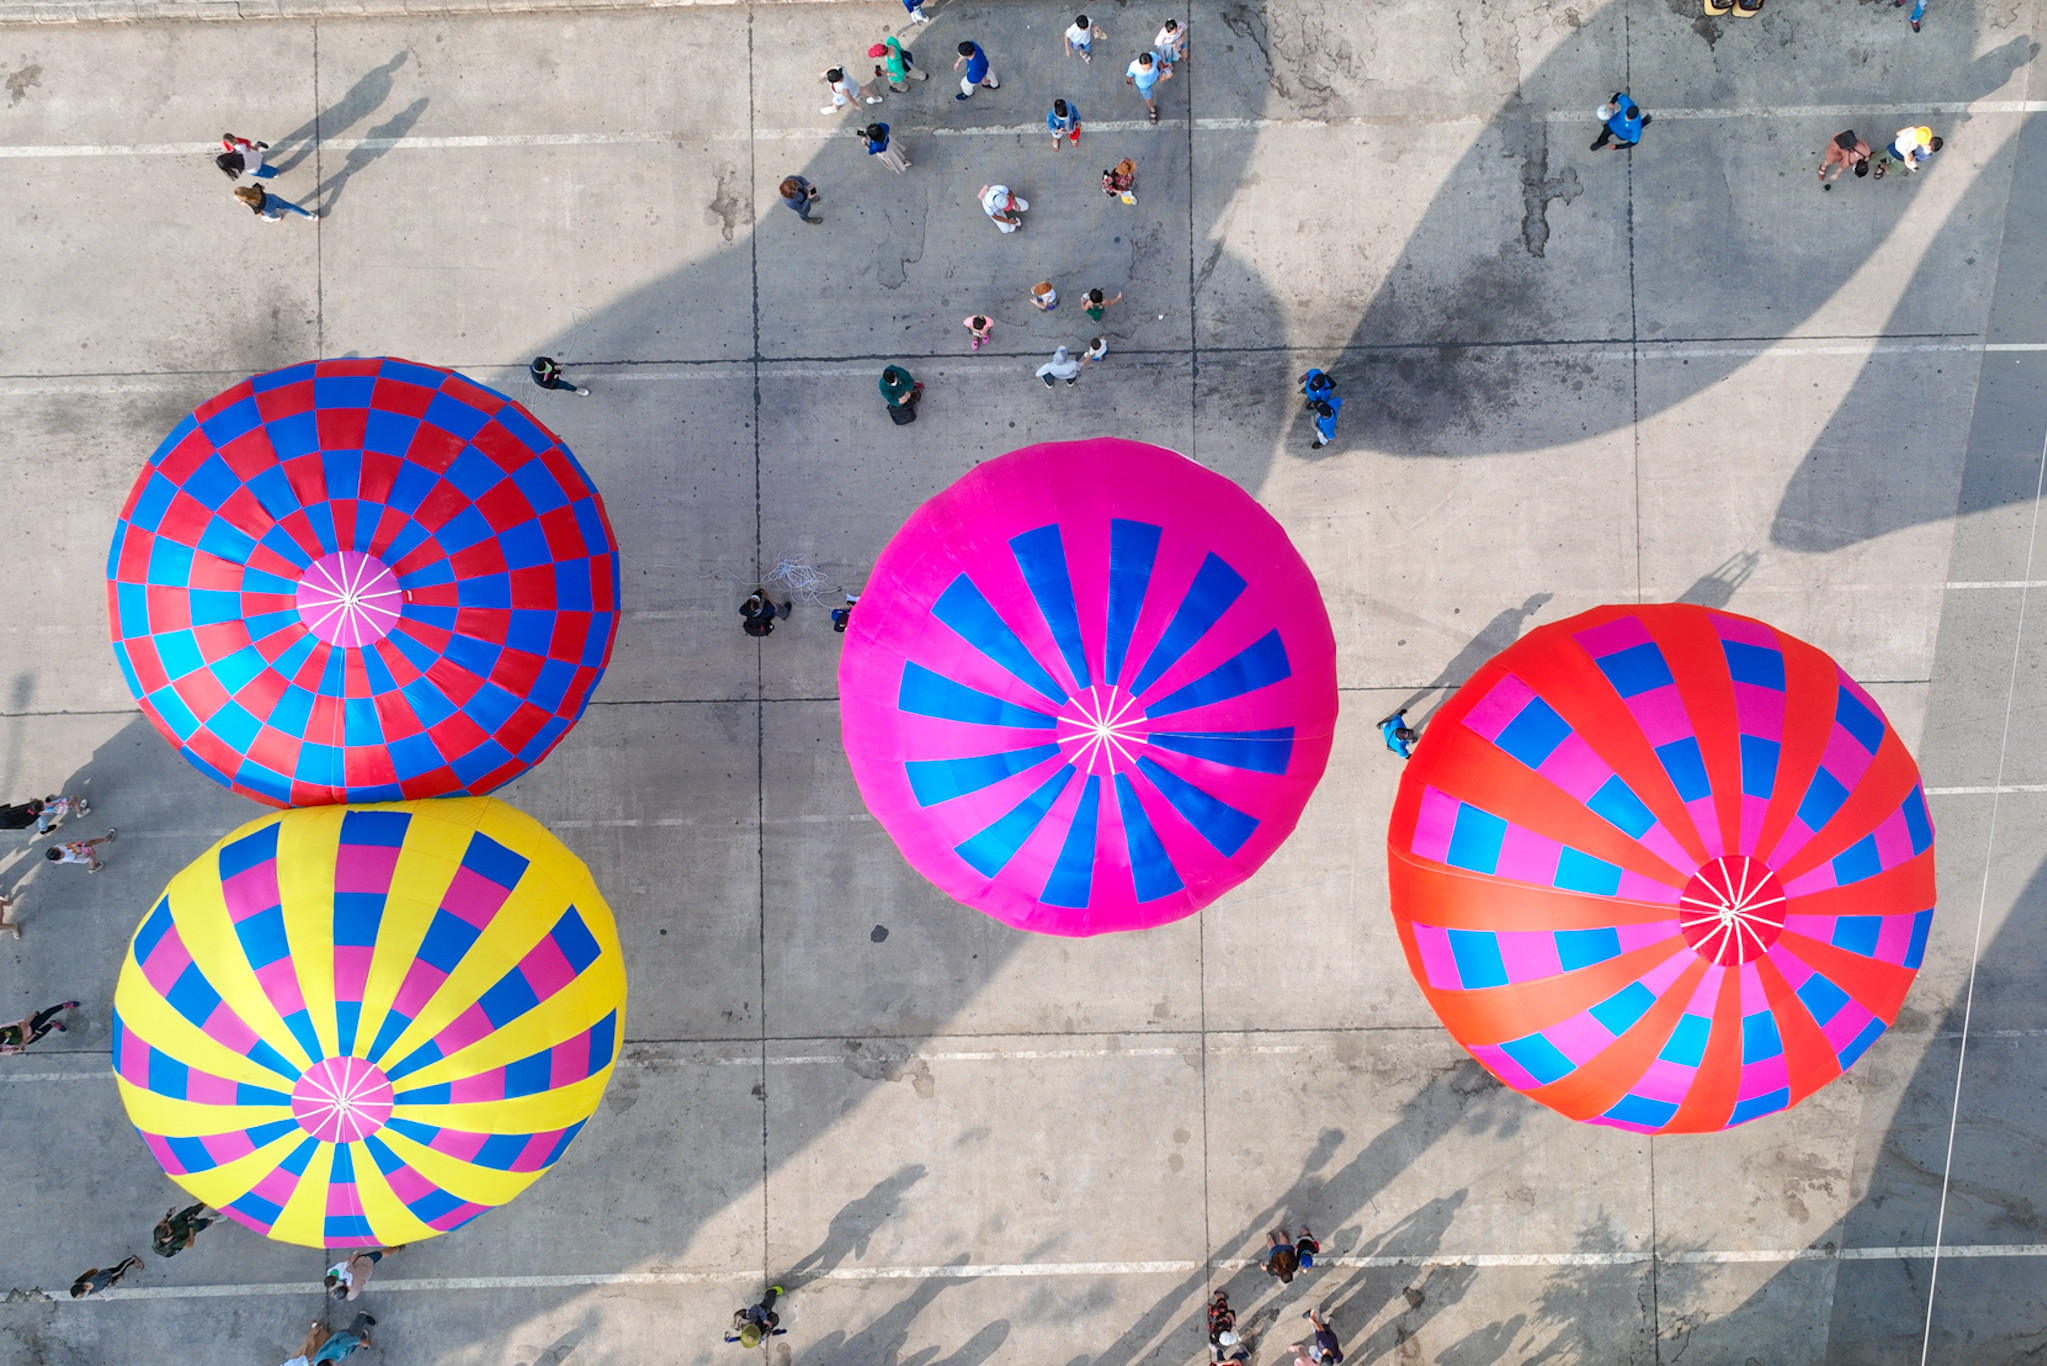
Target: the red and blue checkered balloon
pixel 362 580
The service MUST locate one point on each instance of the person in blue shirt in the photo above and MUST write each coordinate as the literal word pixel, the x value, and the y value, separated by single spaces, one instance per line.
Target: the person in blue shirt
pixel 1399 736
pixel 1062 120
pixel 977 73
pixel 1624 122
pixel 1323 403
pixel 874 137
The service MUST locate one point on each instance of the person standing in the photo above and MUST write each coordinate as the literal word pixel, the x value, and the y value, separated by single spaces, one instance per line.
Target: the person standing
pixel 546 372
pixel 1624 123
pixel 980 327
pixel 1063 121
pixel 874 137
pixel 17 1037
pixel 1145 73
pixel 1844 151
pixel 180 1228
pixel 1061 366
pixel 799 194
pixel 1096 350
pixel 1080 38
pixel 349 1278
pixel 756 1323
pixel 1222 1328
pixel 79 851
pixel 902 392
pixel 846 92
pixel 1120 181
pixel 897 67
pixel 100 1280
pixel 1097 305
pixel 1398 735
pixel 1004 208
pixel 759 613
pixel 346 1343
pixel 1171 42
pixel 978 74
pixel 268 206
pixel 1320 391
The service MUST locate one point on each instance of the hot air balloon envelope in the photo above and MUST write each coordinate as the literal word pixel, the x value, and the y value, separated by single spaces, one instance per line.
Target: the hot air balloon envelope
pixel 1664 868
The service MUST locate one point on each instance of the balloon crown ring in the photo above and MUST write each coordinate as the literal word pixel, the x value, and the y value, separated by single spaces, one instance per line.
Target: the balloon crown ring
pixel 1732 910
pixel 342 1100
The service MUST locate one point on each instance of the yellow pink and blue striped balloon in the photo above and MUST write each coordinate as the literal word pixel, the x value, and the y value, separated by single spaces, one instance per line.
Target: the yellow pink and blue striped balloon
pixel 356 1024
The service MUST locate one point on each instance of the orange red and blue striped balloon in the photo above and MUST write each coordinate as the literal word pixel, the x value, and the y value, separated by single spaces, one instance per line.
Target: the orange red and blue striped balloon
pixel 1663 868
pixel 370 1024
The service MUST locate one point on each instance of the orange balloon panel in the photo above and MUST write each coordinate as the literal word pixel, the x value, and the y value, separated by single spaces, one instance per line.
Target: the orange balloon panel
pixel 1663 868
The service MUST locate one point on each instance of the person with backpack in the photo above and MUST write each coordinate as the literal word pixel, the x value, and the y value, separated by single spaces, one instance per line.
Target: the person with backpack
pixel 1844 151
pixel 899 66
pixel 755 1324
pixel 759 613
pixel 903 392
pixel 1624 123
pixel 1285 1256
pixel 546 372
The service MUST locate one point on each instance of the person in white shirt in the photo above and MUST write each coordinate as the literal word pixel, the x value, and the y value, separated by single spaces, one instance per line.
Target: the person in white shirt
pixel 1080 38
pixel 1005 208
pixel 845 91
pixel 251 154
pixel 1171 42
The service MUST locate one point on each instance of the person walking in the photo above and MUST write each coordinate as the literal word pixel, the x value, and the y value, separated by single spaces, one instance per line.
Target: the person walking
pixel 1327 1350
pixel 1004 208
pixel 1844 151
pixel 1080 38
pixel 267 206
pixel 1171 42
pixel 846 92
pixel 243 157
pixel 917 15
pixel 1624 122
pixel 1918 10
pixel 19 1036
pixel 100 1280
pixel 546 372
pixel 1061 366
pixel 902 392
pixel 874 137
pixel 1320 391
pixel 1145 73
pixel 980 327
pixel 1223 1342
pixel 1120 181
pixel 1398 735
pixel 52 810
pixel 1909 149
pixel 180 1228
pixel 1282 1257
pixel 7 920
pixel 1096 350
pixel 759 613
pixel 348 1278
pixel 799 194
pixel 898 66
pixel 346 1343
pixel 756 1323
pixel 79 851
pixel 1063 121
pixel 1044 297
pixel 978 74
pixel 1097 305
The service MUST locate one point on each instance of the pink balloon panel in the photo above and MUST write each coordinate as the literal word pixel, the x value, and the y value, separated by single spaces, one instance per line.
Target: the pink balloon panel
pixel 1089 687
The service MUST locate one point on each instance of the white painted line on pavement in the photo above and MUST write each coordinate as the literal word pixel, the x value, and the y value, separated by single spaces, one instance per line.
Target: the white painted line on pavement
pixel 1995 790
pixel 977 1271
pixel 1998 583
pixel 107 1075
pixel 839 127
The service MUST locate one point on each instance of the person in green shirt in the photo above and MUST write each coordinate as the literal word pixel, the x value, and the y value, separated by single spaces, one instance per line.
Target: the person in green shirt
pixel 1097 305
pixel 898 66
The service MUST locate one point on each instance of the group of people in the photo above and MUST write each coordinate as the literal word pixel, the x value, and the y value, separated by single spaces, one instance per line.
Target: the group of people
pixel 46 814
pixel 1908 150
pixel 241 160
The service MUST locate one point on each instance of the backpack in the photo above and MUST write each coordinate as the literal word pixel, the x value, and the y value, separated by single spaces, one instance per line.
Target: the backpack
pixel 19 817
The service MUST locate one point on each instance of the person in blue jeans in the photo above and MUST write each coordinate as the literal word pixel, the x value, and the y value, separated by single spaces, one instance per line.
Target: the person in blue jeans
pixel 345 1343
pixel 1918 11
pixel 1624 122
pixel 977 73
pixel 268 206
pixel 798 195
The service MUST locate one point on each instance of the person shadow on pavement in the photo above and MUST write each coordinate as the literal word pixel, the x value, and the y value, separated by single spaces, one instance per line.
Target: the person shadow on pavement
pixel 855 1224
pixel 363 99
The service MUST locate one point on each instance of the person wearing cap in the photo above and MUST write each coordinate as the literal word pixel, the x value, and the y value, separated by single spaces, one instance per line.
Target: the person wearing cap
pixel 1004 208
pixel 897 66
pixel 1624 121
pixel 1911 147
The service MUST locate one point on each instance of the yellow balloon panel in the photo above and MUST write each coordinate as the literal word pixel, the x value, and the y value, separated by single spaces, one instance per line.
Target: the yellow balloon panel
pixel 352 1024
